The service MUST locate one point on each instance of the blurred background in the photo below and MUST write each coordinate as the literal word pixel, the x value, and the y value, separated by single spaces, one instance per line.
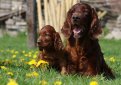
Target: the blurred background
pixel 27 16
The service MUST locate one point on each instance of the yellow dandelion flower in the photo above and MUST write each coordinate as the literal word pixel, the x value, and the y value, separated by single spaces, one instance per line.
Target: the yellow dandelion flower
pixel 14 56
pixel 3 67
pixel 43 82
pixel 10 73
pixel 112 59
pixel 34 56
pixel 32 62
pixel 12 82
pixel 41 62
pixel 12 51
pixel 33 74
pixel 26 55
pixel 36 52
pixel 30 53
pixel 57 83
pixel 23 52
pixel 93 83
pixel 16 52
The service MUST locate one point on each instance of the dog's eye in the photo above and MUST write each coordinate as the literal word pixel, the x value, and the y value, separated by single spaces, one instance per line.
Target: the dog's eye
pixel 86 11
pixel 47 37
pixel 47 34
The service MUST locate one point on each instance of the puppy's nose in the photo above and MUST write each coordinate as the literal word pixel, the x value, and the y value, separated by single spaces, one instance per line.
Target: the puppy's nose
pixel 38 42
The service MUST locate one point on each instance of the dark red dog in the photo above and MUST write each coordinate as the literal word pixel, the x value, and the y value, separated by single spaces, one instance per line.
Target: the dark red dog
pixel 82 27
pixel 49 42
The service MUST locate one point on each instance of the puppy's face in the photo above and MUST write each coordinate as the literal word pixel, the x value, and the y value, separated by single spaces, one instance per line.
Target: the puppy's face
pixel 46 38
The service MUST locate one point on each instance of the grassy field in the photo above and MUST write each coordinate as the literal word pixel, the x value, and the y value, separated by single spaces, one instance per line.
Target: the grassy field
pixel 15 66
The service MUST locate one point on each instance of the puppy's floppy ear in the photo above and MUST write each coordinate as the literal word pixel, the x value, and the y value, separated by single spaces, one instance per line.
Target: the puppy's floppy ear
pixel 58 42
pixel 66 28
pixel 95 28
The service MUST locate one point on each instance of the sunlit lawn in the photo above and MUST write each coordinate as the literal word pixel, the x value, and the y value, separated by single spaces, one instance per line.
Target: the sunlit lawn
pixel 16 65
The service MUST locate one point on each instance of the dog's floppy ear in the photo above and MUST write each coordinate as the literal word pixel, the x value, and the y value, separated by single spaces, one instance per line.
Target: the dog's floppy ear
pixel 58 42
pixel 95 28
pixel 66 28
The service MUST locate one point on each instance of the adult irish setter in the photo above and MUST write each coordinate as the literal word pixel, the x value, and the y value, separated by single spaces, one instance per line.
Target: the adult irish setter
pixel 51 48
pixel 84 53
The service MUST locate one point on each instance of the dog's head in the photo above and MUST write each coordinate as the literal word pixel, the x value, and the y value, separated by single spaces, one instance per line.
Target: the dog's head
pixel 49 38
pixel 82 20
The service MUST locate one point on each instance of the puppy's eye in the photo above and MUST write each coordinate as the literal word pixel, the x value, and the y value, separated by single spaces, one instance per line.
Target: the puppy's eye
pixel 47 34
pixel 47 37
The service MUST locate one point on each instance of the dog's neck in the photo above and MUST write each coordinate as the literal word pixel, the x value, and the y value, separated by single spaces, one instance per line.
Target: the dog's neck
pixel 48 50
pixel 78 41
pixel 46 53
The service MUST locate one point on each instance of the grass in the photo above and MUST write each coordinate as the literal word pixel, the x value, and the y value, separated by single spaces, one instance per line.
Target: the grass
pixel 14 58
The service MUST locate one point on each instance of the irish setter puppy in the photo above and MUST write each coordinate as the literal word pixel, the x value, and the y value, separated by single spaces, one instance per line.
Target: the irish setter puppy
pixel 51 47
pixel 84 53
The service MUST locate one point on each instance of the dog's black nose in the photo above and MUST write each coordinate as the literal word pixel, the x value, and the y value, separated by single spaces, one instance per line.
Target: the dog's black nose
pixel 75 17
